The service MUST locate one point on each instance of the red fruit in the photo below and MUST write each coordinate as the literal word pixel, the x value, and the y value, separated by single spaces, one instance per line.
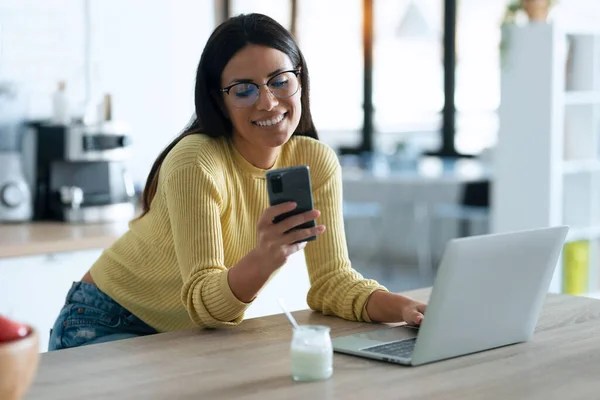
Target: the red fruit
pixel 12 330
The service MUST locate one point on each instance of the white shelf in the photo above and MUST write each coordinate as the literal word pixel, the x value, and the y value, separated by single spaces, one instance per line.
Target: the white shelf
pixel 581 166
pixel 547 157
pixel 582 97
pixel 579 133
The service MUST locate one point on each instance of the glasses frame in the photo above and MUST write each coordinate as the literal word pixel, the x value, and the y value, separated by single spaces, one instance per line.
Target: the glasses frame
pixel 294 71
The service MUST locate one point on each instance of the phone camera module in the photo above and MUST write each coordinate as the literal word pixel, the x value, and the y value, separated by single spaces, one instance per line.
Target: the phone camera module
pixel 276 184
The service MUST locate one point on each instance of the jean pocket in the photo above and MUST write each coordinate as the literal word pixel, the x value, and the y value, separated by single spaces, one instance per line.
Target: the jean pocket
pixel 84 315
pixel 84 323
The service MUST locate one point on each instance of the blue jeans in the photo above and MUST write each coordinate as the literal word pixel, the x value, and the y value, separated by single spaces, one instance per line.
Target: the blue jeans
pixel 90 316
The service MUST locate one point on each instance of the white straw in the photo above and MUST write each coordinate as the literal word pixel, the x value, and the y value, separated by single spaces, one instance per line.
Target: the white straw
pixel 288 314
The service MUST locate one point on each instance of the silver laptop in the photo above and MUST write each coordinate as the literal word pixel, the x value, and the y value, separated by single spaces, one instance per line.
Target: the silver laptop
pixel 488 292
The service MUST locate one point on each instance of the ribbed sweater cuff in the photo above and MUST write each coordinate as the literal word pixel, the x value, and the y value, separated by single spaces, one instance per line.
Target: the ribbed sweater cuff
pixel 225 307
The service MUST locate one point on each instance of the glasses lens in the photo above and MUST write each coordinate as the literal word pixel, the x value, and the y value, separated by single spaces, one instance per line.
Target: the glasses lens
pixel 284 85
pixel 243 94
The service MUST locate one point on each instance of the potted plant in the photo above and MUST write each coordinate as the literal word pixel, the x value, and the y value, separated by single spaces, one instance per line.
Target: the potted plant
pixel 523 11
pixel 536 10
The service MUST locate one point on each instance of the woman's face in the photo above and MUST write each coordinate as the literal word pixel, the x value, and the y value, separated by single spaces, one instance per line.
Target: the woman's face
pixel 271 120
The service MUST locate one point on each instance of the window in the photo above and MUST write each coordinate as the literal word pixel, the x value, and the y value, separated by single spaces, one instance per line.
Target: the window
pixel 408 68
pixel 330 36
pixel 279 10
pixel 408 78
pixel 331 41
pixel 407 64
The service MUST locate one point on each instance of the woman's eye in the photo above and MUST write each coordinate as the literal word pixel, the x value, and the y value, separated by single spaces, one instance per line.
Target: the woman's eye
pixel 279 84
pixel 243 94
pixel 243 90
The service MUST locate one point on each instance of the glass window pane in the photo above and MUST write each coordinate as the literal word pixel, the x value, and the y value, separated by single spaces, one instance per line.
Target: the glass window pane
pixel 407 64
pixel 330 36
pixel 331 42
pixel 279 10
pixel 408 51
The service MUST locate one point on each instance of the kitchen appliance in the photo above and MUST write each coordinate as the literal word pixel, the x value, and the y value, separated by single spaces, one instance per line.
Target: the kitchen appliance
pixel 15 196
pixel 79 172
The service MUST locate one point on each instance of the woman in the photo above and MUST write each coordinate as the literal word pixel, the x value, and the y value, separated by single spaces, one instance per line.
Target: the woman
pixel 205 243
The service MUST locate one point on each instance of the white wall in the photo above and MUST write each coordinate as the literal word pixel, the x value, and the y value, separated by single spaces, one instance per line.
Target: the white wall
pixel 147 59
pixel 41 43
pixel 142 52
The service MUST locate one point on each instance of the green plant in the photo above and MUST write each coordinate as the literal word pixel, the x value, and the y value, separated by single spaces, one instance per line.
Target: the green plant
pixel 511 11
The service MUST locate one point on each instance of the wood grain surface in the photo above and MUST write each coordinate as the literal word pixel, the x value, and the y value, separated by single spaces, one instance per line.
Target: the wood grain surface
pixel 251 361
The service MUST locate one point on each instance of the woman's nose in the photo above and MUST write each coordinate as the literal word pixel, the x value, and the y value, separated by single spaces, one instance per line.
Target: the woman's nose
pixel 266 100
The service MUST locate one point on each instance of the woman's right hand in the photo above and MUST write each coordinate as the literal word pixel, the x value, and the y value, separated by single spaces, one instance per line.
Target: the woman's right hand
pixel 274 245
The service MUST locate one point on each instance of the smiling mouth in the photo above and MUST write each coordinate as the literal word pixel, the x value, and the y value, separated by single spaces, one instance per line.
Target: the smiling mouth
pixel 271 122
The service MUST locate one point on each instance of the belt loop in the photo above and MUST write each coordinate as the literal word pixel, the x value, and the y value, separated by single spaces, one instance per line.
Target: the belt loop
pixel 74 287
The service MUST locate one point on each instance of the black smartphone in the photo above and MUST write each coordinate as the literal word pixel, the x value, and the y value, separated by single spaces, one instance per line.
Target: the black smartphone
pixel 291 184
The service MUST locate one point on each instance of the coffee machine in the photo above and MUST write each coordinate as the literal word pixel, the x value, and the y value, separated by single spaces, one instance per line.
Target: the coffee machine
pixel 79 172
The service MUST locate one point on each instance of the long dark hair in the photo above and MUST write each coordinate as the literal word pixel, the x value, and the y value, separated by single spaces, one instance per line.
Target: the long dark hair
pixel 209 119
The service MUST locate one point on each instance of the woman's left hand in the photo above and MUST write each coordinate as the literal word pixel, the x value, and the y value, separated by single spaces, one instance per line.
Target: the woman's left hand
pixel 412 313
pixel 384 306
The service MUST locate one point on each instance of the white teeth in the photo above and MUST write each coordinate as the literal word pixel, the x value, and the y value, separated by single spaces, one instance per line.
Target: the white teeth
pixel 270 122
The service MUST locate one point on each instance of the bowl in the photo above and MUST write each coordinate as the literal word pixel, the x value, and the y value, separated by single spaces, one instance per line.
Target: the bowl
pixel 18 364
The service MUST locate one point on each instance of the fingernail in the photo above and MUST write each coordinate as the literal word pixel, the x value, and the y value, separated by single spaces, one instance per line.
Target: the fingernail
pixel 321 228
pixel 302 245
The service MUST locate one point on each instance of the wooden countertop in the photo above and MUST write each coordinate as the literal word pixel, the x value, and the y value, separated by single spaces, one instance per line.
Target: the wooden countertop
pixel 17 240
pixel 252 361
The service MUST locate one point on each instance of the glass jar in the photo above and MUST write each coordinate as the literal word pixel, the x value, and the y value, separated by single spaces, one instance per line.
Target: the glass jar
pixel 311 353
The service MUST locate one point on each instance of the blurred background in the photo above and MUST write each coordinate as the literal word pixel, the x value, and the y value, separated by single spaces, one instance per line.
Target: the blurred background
pixel 451 118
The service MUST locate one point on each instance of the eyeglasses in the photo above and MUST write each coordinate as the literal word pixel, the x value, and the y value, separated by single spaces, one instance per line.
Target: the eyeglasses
pixel 283 85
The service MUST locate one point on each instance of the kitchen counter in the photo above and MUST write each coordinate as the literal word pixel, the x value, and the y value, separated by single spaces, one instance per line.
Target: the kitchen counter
pixel 17 240
pixel 252 361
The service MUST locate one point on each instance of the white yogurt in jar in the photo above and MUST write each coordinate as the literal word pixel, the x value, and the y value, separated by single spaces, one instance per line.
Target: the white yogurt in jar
pixel 311 353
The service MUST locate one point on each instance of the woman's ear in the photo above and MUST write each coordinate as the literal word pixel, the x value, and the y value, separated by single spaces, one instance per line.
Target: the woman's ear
pixel 299 68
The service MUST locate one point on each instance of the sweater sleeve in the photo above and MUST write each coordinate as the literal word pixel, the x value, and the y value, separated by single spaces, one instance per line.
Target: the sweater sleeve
pixel 336 288
pixel 193 203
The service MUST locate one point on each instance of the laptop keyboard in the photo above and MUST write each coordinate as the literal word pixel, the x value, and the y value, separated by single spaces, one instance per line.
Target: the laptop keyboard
pixel 401 348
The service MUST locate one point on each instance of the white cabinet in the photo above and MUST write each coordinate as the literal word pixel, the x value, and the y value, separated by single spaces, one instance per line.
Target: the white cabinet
pixel 33 289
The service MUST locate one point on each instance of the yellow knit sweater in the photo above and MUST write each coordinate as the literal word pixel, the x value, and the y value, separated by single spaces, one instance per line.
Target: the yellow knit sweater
pixel 170 268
